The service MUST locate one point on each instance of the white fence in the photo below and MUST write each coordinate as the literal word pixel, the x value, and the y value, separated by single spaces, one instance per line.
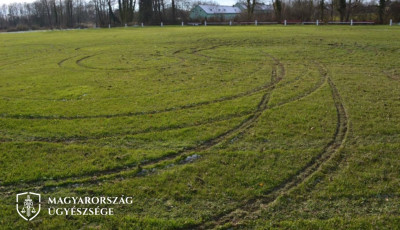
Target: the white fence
pixel 285 22
pixel 256 23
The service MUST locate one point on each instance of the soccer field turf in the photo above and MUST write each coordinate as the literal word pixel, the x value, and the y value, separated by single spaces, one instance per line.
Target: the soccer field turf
pixel 293 127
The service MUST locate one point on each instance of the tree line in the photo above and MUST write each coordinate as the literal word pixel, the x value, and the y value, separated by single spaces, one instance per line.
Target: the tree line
pixel 338 10
pixel 55 14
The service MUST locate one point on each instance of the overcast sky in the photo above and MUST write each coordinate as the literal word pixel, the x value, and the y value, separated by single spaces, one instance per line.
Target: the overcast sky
pixel 11 1
pixel 222 2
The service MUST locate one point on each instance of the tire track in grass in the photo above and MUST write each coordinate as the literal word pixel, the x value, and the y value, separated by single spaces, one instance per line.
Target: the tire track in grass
pixel 68 183
pixel 131 114
pixel 317 86
pixel 253 206
pixel 165 128
pixel 61 63
pixel 18 62
pixel 377 52
pixel 261 107
pixel 80 64
pixel 307 93
pixel 77 139
pixel 31 52
pixel 391 76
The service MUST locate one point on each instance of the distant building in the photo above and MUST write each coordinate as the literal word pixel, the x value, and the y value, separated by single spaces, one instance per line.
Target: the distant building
pixel 204 12
pixel 259 8
pixel 209 11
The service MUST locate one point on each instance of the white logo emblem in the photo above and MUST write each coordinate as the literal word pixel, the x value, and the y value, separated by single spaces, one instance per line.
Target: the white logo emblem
pixel 28 205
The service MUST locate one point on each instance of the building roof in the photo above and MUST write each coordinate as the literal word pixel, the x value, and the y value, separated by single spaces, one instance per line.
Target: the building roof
pixel 210 9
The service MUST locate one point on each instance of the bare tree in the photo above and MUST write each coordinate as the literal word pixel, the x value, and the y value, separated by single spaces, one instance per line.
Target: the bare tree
pixel 342 9
pixel 145 10
pixel 322 9
pixel 250 4
pixel 278 10
pixel 381 10
pixel 173 11
pixel 126 10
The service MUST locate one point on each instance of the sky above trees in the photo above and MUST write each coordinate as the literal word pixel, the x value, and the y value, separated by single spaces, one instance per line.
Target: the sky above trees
pixel 12 1
pixel 222 2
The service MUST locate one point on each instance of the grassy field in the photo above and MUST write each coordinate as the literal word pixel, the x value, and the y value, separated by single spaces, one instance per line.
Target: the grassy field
pixel 293 127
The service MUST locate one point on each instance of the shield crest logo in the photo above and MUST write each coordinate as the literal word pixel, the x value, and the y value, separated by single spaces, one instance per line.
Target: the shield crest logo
pixel 28 205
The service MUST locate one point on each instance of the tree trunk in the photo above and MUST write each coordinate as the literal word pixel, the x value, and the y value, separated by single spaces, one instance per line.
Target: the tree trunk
pixel 173 12
pixel 249 16
pixel 349 8
pixel 322 8
pixel 342 9
pixel 381 10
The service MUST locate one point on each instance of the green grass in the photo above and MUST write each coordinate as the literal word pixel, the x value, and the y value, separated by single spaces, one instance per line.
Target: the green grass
pixel 296 127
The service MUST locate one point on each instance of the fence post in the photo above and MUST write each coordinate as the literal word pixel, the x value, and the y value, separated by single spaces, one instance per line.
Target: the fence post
pixel 255 22
pixel 317 22
pixel 230 23
pixel 284 22
pixel 142 24
pixel 205 23
pixel 391 22
pixel 351 22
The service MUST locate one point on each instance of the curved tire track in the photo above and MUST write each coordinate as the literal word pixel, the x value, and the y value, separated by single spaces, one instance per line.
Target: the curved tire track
pixel 252 206
pixel 131 114
pixel 261 107
pixel 77 139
